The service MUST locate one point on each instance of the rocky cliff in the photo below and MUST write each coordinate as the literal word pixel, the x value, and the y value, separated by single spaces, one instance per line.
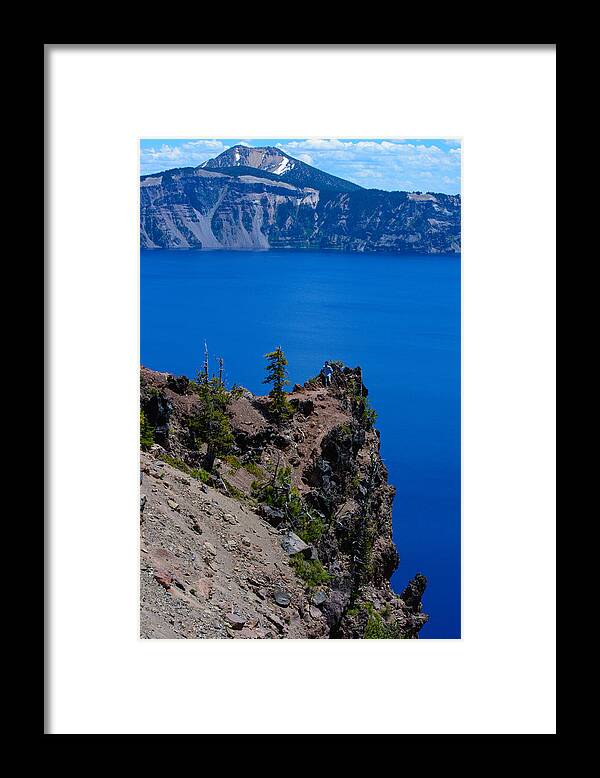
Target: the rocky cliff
pixel 289 537
pixel 252 198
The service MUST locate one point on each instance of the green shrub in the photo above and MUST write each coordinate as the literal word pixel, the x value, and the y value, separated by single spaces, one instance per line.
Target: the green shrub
pixel 279 493
pixel 254 469
pixel 364 413
pixel 311 571
pixel 310 528
pixel 194 472
pixel 146 432
pixel 233 462
pixel 376 628
pixel 364 536
pixel 234 492
pixel 201 475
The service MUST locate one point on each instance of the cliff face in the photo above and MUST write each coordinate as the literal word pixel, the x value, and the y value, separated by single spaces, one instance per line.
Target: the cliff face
pixel 262 198
pixel 292 537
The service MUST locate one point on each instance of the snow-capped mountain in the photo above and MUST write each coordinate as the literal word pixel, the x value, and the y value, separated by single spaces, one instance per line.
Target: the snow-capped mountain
pixel 251 198
pixel 270 159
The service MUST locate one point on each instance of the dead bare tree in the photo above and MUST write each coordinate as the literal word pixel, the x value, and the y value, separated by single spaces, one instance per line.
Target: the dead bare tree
pixel 205 370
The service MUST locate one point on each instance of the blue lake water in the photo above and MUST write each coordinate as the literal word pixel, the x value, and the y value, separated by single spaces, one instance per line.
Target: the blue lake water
pixel 396 316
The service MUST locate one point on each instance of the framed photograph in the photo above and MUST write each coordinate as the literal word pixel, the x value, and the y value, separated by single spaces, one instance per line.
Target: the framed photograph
pixel 311 428
pixel 316 267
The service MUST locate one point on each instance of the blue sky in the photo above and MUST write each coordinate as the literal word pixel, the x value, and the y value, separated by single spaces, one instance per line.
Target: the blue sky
pixel 427 165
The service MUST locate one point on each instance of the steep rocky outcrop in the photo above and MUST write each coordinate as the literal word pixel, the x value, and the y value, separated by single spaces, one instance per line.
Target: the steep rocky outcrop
pixel 291 536
pixel 262 198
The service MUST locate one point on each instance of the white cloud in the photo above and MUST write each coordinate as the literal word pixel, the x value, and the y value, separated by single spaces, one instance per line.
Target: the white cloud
pixel 189 153
pixel 385 164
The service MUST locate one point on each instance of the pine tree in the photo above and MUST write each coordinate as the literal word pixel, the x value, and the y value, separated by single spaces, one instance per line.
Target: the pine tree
pixel 277 376
pixel 211 425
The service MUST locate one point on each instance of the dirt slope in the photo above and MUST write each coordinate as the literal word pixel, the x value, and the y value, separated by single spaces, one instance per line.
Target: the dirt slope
pixel 205 558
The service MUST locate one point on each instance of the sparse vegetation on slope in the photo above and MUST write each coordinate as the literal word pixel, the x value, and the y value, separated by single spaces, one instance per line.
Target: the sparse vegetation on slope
pixel 313 483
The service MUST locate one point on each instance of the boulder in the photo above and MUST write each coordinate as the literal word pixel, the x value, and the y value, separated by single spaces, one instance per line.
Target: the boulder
pixel 234 621
pixel 334 608
pixel 163 577
pixel 282 441
pixel 158 412
pixel 273 515
pixel 179 384
pixel 306 407
pixel 293 545
pixel 282 597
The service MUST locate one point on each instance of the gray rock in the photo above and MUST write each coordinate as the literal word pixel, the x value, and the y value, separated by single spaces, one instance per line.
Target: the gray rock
pixel 235 621
pixel 334 608
pixel 318 598
pixel 273 515
pixel 178 384
pixel 293 545
pixel 282 597
pixel 283 441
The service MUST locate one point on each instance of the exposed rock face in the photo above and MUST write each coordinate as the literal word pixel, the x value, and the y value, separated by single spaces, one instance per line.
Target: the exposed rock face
pixel 252 198
pixel 218 561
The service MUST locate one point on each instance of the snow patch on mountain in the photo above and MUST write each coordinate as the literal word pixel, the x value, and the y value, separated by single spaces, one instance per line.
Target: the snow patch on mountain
pixel 285 165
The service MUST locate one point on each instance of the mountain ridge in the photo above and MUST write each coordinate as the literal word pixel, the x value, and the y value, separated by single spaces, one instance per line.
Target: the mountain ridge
pixel 287 168
pixel 232 202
